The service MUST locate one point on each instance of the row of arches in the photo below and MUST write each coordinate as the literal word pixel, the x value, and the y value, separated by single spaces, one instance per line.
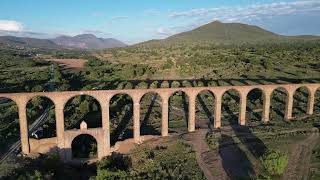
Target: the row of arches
pixel 121 110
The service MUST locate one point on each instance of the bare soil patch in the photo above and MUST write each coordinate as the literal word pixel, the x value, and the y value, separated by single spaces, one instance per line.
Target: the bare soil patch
pixel 127 145
pixel 70 63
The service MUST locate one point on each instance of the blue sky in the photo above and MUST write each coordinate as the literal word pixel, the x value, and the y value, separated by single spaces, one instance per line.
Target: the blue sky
pixel 134 21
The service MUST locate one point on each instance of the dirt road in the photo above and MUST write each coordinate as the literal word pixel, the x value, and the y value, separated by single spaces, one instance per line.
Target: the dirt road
pixel 298 166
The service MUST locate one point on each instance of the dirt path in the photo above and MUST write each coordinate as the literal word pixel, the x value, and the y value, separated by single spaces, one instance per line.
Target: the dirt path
pixel 298 166
pixel 206 159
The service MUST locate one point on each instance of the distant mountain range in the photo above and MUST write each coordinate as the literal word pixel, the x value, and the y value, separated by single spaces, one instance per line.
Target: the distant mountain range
pixel 228 33
pixel 215 32
pixel 83 41
pixel 24 42
pixel 87 41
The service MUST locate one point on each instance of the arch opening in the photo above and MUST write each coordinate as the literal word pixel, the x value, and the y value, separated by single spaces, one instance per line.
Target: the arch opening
pixel 278 104
pixel 150 114
pixel 41 118
pixel 178 112
pixel 300 102
pixel 82 108
pixel 205 103
pixel 121 118
pixel 84 146
pixel 9 124
pixel 230 107
pixel 254 107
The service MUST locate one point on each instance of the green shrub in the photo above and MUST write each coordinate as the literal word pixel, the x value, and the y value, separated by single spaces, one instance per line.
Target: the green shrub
pixel 112 167
pixel 274 162
pixel 111 175
pixel 212 140
pixel 115 162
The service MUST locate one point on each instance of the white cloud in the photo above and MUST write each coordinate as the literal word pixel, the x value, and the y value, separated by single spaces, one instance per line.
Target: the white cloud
pixel 95 31
pixel 7 25
pixel 244 14
pixel 25 34
pixel 250 12
pixel 163 31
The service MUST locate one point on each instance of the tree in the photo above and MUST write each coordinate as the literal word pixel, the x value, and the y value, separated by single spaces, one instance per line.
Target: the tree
pixel 84 107
pixel 114 167
pixel 275 162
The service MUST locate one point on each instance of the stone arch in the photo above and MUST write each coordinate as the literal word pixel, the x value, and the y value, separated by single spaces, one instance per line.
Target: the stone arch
pixel 178 110
pixel 121 117
pixel 150 113
pixel 205 104
pixel 41 118
pixel 230 106
pixel 84 146
pixel 278 103
pixel 254 108
pixel 300 101
pixel 9 115
pixel 304 87
pixel 42 96
pixel 82 107
pixel 259 89
pixel 4 99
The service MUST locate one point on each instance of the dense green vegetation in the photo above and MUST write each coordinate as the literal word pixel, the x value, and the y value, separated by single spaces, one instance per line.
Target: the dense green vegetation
pixel 274 162
pixel 135 67
pixel 269 61
pixel 174 160
pixel 171 160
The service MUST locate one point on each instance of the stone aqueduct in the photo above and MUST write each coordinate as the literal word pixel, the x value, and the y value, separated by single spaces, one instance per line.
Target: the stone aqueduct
pixel 102 135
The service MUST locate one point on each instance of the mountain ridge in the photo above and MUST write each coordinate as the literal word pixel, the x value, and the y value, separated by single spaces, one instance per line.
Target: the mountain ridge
pixel 81 41
pixel 217 32
pixel 26 42
pixel 87 41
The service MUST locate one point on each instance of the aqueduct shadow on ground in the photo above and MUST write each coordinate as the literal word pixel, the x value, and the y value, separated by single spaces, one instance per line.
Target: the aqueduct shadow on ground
pixel 158 83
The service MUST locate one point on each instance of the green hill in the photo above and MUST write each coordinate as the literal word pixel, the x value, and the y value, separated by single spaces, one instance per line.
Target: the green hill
pixel 225 32
pixel 228 33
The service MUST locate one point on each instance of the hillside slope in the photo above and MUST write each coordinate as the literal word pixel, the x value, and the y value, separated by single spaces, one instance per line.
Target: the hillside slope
pixel 228 33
